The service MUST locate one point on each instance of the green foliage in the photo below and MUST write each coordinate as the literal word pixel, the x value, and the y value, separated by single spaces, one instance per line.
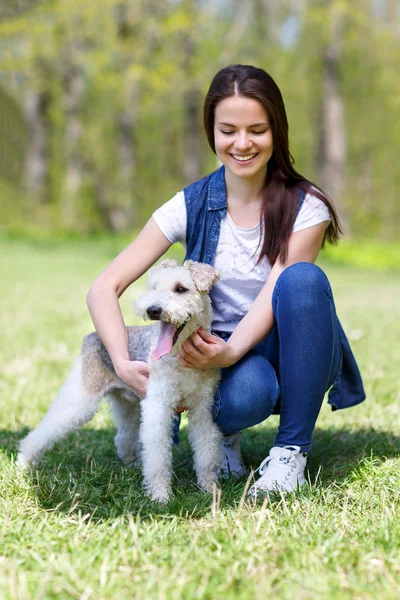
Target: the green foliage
pixel 138 59
pixel 81 527
pixel 364 254
pixel 12 140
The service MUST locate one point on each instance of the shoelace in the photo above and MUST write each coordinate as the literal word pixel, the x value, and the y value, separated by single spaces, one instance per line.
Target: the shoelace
pixel 284 463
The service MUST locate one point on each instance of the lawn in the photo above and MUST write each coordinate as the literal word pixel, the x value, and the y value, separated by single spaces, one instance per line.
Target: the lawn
pixel 80 527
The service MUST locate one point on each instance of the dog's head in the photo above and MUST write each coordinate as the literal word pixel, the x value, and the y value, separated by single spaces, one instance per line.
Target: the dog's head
pixel 177 297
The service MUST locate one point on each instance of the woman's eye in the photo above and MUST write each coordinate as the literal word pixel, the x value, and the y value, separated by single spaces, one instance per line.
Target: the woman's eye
pixel 253 132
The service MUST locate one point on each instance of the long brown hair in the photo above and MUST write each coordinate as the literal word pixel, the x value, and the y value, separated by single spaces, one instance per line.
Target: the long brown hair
pixel 279 198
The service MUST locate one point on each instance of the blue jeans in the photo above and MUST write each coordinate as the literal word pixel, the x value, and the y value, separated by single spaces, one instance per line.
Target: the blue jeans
pixel 290 371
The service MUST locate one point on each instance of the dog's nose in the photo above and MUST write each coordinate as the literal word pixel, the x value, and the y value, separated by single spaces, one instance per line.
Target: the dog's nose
pixel 154 312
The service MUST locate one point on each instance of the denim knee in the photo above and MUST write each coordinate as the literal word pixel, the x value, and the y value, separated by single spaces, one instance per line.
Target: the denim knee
pixel 302 282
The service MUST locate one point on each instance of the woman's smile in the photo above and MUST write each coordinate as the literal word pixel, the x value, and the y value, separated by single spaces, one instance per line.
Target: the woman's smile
pixel 244 159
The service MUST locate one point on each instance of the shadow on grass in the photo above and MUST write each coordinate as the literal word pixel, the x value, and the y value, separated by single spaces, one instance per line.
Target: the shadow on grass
pixel 83 473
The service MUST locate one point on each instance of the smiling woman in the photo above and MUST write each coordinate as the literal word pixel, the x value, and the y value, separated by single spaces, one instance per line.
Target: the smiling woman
pixel 275 332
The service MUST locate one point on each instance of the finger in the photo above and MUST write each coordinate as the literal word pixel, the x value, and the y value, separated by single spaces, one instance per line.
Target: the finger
pixel 188 345
pixel 182 357
pixel 206 351
pixel 136 366
pixel 196 359
pixel 207 337
pixel 185 363
pixel 144 368
pixel 143 391
pixel 199 343
pixel 191 350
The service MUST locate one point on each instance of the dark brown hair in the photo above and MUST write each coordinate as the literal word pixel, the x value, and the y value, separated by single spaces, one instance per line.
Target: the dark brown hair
pixel 279 198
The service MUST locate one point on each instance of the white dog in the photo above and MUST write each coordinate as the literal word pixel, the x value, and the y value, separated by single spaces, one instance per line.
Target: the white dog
pixel 177 298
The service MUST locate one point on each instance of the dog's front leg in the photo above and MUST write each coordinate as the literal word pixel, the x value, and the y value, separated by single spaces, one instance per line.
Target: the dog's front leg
pixel 205 438
pixel 156 439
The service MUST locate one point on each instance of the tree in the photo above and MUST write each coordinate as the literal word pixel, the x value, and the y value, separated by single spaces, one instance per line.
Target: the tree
pixel 331 158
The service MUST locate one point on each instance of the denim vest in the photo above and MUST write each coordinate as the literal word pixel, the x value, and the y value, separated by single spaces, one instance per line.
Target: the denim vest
pixel 206 205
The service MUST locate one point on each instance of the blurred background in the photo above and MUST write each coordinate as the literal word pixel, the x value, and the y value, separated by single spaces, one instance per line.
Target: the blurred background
pixel 101 104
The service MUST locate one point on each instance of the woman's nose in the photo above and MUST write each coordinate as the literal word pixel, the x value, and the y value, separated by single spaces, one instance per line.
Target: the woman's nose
pixel 243 142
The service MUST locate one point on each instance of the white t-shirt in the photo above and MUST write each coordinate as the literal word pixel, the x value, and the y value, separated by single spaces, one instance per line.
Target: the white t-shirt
pixel 236 256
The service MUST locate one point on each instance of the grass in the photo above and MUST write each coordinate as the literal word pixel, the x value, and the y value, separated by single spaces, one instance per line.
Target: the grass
pixel 369 253
pixel 80 527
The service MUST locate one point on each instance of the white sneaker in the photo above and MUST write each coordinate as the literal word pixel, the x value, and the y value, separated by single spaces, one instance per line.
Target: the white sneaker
pixel 232 463
pixel 282 470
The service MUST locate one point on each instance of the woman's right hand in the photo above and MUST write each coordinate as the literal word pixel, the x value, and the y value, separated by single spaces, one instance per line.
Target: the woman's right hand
pixel 134 373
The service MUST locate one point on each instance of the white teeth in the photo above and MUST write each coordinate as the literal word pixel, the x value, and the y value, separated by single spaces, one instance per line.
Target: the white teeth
pixel 244 158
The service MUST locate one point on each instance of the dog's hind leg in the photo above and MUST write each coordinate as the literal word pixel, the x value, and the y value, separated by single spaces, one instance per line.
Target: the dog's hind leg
pixel 127 418
pixel 72 408
pixel 205 439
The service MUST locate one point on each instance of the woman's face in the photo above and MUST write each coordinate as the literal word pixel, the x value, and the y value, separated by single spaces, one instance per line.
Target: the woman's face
pixel 243 136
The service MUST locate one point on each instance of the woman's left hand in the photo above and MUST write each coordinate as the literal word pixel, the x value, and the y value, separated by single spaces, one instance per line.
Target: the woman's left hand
pixel 203 350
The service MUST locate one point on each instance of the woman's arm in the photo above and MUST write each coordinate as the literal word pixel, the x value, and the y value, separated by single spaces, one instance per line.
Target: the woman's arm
pixel 104 307
pixel 203 350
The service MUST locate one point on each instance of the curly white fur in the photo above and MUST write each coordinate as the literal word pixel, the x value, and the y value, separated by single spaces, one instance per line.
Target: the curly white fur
pixel 145 427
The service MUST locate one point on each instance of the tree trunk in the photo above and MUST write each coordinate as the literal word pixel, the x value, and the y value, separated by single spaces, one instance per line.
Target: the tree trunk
pixel 192 102
pixel 192 164
pixel 332 135
pixel 36 172
pixel 123 214
pixel 74 90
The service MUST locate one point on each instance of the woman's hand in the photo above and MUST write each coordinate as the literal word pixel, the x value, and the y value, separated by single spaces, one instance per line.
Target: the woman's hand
pixel 134 373
pixel 203 350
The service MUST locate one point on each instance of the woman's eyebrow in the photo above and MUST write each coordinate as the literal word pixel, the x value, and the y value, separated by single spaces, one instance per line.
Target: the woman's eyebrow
pixel 253 125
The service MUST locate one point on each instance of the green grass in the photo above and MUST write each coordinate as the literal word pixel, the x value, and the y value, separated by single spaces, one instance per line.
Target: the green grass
pixel 80 527
pixel 369 254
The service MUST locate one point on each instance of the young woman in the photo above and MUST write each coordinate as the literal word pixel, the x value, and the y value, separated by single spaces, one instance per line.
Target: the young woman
pixel 275 331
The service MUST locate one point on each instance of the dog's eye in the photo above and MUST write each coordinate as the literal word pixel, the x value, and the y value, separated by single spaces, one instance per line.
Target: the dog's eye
pixel 180 289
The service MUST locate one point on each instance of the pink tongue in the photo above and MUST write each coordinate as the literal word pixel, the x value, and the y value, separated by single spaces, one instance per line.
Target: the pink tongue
pixel 164 344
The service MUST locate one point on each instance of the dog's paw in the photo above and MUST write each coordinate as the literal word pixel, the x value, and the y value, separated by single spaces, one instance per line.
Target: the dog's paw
pixel 131 460
pixel 207 485
pixel 137 462
pixel 23 464
pixel 159 495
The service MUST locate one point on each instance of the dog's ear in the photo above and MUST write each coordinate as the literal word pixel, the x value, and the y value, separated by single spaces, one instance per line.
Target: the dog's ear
pixel 204 276
pixel 164 264
pixel 167 263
